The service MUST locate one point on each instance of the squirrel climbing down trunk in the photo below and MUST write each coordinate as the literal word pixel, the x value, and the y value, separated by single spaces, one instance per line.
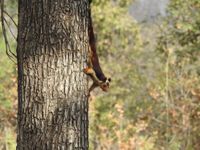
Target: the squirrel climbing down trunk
pixel 93 69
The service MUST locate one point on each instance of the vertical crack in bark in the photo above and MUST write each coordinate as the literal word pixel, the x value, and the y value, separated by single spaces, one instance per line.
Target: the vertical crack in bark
pixel 52 51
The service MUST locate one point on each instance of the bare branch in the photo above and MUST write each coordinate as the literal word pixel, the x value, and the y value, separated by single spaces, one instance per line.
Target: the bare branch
pixel 10 29
pixel 10 54
pixel 10 18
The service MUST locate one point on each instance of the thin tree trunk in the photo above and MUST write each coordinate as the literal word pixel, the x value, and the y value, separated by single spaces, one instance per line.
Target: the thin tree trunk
pixel 52 50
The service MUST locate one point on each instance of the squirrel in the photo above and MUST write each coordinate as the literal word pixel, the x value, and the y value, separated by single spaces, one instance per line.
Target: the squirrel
pixel 93 69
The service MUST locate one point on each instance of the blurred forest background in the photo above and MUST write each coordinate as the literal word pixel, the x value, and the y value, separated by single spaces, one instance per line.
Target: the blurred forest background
pixel 153 58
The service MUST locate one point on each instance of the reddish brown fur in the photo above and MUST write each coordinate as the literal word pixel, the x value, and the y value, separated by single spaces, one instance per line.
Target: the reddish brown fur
pixel 94 57
pixel 94 70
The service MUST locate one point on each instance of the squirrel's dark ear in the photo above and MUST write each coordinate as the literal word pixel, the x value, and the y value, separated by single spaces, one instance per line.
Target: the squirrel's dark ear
pixel 109 79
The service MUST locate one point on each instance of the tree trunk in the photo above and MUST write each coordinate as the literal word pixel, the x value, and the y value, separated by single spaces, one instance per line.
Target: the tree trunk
pixel 52 89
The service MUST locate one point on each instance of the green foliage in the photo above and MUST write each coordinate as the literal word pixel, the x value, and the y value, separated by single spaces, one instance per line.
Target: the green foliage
pixel 7 76
pixel 7 138
pixel 119 45
pixel 8 84
pixel 8 98
pixel 153 101
pixel 113 25
pixel 179 45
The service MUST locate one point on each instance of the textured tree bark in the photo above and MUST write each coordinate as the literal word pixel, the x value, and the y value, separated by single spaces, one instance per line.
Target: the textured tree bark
pixel 52 51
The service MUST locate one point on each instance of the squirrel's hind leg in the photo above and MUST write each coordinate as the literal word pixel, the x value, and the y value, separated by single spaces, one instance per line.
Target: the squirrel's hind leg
pixel 88 71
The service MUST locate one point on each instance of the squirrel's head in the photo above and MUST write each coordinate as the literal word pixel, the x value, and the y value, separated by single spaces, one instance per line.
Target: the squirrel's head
pixel 106 84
